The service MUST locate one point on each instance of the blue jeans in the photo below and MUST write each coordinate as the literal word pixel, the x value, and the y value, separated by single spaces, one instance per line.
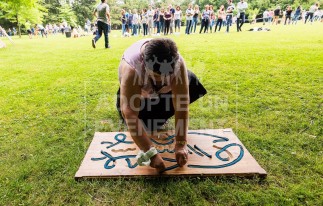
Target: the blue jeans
pixel 188 26
pixel 177 23
pixel 295 19
pixel 240 19
pixel 156 25
pixel 145 28
pixel 102 27
pixel 194 23
pixel 218 23
pixel 205 25
pixel 123 29
pixel 309 15
pixel 161 26
pixel 228 21
pixel 134 29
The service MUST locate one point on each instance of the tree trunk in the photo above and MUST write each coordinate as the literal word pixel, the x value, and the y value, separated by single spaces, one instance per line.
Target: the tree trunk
pixel 18 24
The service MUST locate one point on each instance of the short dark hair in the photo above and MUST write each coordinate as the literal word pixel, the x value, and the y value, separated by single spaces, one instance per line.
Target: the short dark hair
pixel 161 49
pixel 102 1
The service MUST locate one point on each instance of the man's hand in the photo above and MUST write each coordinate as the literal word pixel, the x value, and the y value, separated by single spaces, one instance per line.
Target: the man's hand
pixel 181 154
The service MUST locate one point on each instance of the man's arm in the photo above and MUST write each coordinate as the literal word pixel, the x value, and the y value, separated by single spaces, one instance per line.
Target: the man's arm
pixel 181 102
pixel 108 13
pixel 130 105
pixel 95 14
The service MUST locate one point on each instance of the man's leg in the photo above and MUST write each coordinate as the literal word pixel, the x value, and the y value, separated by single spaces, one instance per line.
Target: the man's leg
pixel 242 17
pixel 151 114
pixel 229 19
pixel 98 34
pixel 106 35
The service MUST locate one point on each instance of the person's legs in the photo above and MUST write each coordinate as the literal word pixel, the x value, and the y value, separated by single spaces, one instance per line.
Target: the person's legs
pixel 228 19
pixel 216 24
pixel 242 18
pixel 189 27
pixel 157 25
pixel 99 32
pixel 238 22
pixel 179 25
pixel 210 25
pixel 106 34
pixel 146 29
pixel 167 25
pixel 311 17
pixel 123 29
pixel 161 26
pixel 202 25
pixel 221 22
pixel 206 28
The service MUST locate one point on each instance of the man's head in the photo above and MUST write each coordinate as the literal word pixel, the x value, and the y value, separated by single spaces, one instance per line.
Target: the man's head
pixel 160 56
pixel 103 1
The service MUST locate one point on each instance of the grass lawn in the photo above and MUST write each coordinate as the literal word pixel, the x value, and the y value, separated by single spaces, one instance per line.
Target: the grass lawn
pixel 267 86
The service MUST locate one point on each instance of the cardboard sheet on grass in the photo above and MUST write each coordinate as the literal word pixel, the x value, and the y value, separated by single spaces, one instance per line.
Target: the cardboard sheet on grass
pixel 212 152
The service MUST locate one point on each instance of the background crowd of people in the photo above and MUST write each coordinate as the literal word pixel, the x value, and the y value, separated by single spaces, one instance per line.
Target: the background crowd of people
pixel 169 20
pixel 158 21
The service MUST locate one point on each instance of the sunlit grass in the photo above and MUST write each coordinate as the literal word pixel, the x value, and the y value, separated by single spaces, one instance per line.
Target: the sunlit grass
pixel 267 86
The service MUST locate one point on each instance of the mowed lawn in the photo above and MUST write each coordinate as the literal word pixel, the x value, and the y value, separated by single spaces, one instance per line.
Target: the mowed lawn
pixel 267 86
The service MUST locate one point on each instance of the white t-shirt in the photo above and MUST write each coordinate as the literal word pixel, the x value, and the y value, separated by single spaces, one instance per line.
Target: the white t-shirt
pixel 135 18
pixel 242 6
pixel 177 14
pixel 312 9
pixel 189 14
pixel 265 14
pixel 150 13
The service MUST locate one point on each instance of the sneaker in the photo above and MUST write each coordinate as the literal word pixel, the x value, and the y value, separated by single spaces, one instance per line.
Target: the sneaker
pixel 108 47
pixel 93 43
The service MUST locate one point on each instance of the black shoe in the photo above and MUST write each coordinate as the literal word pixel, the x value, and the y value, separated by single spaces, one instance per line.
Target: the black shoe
pixel 93 43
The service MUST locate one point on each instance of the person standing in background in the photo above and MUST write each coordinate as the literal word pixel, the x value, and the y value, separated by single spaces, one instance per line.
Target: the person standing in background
pixel 103 15
pixel 212 18
pixel 288 14
pixel 195 17
pixel 28 29
pixel 135 21
pixel 172 22
pixel 189 16
pixel 144 20
pixel 297 14
pixel 129 21
pixel 168 19
pixel 178 18
pixel 311 12
pixel 229 12
pixel 150 22
pixel 156 22
pixel 221 15
pixel 271 16
pixel 265 17
pixel 277 12
pixel 242 6
pixel 161 20
pixel 205 19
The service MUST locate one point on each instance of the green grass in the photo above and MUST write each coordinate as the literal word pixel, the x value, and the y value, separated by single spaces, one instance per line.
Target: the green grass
pixel 267 86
